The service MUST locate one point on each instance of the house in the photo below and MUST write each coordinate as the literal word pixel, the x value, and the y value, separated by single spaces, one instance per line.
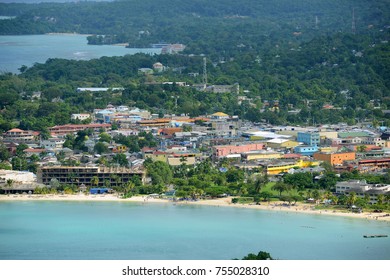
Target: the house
pixel 29 152
pixel 219 116
pixel 158 67
pixel 145 71
pixel 52 143
pixel 80 117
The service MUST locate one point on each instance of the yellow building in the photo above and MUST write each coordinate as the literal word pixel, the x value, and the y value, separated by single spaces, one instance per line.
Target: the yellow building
pixel 279 167
pixel 254 155
pixel 281 143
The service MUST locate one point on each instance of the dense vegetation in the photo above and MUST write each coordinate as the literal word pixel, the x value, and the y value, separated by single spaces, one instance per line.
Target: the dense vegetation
pixel 275 50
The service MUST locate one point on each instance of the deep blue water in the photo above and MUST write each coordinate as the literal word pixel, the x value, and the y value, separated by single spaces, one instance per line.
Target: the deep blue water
pixel 123 230
pixel 16 51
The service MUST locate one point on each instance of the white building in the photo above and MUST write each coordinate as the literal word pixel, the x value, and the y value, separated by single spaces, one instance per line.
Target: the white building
pixel 80 117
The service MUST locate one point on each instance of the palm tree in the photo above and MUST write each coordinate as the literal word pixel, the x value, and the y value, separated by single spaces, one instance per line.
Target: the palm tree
pixel 281 187
pixel 380 199
pixel 387 198
pixel 260 182
pixel 351 199
pixel 95 181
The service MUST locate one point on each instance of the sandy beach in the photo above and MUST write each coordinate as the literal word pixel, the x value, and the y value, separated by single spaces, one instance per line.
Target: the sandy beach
pixel 221 202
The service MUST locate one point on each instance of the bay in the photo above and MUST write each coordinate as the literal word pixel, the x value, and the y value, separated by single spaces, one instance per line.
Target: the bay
pixel 16 51
pixel 51 230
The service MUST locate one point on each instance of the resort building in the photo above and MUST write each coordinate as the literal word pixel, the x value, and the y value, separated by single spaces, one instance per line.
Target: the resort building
pixel 362 189
pixel 97 176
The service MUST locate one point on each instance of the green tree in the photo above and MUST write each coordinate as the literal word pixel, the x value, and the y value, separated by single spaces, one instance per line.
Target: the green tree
pixel 351 200
pixel 281 187
pixel 95 181
pixel 262 255
pixel 120 159
pixel 101 148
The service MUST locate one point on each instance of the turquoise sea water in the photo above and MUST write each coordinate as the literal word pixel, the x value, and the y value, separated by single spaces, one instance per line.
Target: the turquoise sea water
pixel 16 51
pixel 122 230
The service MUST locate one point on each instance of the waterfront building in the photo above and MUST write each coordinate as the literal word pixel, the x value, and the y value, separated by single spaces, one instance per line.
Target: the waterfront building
pixel 362 189
pixel 79 175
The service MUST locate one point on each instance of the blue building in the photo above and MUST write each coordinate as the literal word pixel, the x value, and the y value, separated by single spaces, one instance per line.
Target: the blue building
pixel 306 150
pixel 98 190
pixel 309 138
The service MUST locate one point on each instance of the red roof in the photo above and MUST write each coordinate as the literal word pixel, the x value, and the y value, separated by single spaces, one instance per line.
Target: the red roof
pixel 15 130
pixel 292 156
pixel 30 150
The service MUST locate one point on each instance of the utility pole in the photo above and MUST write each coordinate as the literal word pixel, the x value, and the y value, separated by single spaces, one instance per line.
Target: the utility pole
pixel 353 21
pixel 204 73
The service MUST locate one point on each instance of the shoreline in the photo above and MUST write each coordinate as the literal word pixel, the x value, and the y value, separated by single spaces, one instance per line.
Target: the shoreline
pixel 301 208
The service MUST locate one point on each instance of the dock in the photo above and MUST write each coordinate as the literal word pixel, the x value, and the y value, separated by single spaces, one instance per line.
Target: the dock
pixel 374 235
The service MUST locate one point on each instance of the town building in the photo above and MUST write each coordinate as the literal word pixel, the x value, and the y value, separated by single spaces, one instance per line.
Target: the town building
pixel 225 150
pixel 335 158
pixel 309 138
pixel 306 150
pixel 73 128
pixel 280 143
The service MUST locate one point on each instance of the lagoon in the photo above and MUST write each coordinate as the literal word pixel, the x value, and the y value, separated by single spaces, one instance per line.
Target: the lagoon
pixel 52 230
pixel 16 51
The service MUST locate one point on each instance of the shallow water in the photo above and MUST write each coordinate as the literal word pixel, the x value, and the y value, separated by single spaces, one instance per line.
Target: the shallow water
pixel 123 230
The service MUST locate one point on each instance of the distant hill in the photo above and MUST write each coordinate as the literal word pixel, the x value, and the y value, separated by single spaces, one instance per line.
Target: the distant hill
pixel 202 24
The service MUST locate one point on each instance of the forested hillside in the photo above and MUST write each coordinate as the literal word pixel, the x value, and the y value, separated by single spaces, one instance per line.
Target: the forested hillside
pixel 205 26
pixel 303 53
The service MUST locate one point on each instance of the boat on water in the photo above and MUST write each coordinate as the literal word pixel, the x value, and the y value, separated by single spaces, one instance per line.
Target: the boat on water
pixel 374 235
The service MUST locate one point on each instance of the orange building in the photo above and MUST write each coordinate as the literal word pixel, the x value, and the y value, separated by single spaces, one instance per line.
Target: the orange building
pixel 334 158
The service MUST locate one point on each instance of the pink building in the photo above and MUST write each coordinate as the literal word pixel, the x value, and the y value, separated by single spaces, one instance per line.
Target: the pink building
pixel 225 150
